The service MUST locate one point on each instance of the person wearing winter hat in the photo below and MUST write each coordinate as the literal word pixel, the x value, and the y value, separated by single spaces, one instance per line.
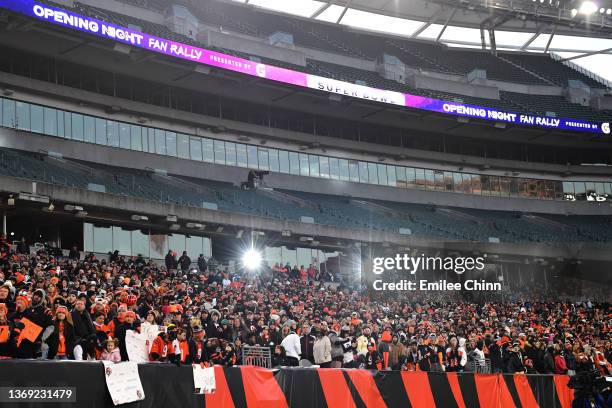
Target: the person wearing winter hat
pixel 8 334
pixel 129 323
pixel 62 340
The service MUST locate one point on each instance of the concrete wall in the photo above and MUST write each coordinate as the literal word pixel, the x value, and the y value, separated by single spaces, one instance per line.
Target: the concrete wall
pixel 457 87
pixel 127 9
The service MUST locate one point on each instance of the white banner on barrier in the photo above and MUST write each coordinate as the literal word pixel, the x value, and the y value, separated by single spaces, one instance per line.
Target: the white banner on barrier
pixel 123 382
pixel 137 346
pixel 204 379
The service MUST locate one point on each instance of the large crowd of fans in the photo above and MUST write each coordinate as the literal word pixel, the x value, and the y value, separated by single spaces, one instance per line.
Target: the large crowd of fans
pixel 200 314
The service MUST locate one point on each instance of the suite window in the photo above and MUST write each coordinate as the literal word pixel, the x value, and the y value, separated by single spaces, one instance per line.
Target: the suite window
pixel 136 137
pixel 448 181
pixel 274 165
pixel 264 162
pixel 458 185
pixel 101 131
pixel 400 173
pixel 348 170
pixel 438 180
pixel 195 148
pixel 8 113
pixel 23 115
pixel 230 153
pixel 124 135
pixel 252 157
pixel 67 124
pixel 51 121
pixel 208 152
pixel 294 163
pixel 334 168
pixel 283 161
pixel 324 166
pixel 182 146
pixel 363 172
pixel 89 129
pixel 430 181
pixel 112 133
pixel 241 155
pixel 314 165
pixel 171 144
pixel 151 133
pixel 160 141
pixel 77 126
pixel 219 147
pixel 382 174
pixel 391 176
pixel 419 178
pixel 36 119
pixel 304 164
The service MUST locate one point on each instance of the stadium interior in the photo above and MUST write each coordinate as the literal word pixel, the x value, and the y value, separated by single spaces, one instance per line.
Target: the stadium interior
pixel 106 146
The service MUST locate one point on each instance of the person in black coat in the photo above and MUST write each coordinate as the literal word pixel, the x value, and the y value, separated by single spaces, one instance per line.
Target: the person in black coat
pixel 170 261
pixel 185 261
pixel 202 263
pixel 63 332
pixel 307 344
pixel 197 346
pixel 214 329
pixel 129 323
pixel 514 361
pixel 83 325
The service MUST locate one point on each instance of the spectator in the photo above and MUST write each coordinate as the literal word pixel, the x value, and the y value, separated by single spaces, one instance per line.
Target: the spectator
pixel 202 263
pixel 185 262
pixel 111 352
pixel 62 340
pixel 307 344
pixel 293 347
pixel 171 262
pixel 322 349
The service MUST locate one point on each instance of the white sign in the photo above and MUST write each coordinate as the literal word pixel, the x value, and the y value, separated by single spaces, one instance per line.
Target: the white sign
pixel 137 346
pixel 204 379
pixel 123 382
pixel 356 91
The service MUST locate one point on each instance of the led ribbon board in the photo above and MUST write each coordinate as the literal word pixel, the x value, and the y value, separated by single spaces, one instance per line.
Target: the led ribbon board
pixel 187 52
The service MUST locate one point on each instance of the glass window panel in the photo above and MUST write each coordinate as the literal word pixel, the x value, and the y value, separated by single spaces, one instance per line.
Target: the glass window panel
pixel 23 115
pixel 391 176
pixel 334 168
pixel 343 166
pixel 88 243
pixel 150 134
pixel 136 137
pixel 171 144
pixel 294 163
pixel 475 183
pixel 160 141
pixel 430 181
pixel 78 129
pixel 206 247
pixel 486 185
pixel 124 136
pixel 324 167
pixel 273 255
pixel 89 128
pixel 448 181
pixel 103 239
pixel 67 124
pixel 411 178
pixel 304 257
pixel 241 155
pixel 264 162
pixel 600 189
pixel 1 109
pixel 219 151
pixel 494 185
pixel 283 161
pixel 608 188
pixel 193 246
pixel 419 178
pixel 8 113
pixel 353 167
pixel 100 131
pixel 274 165
pixel 145 139
pixel 50 120
pixel 182 146
pixel 439 180
pixel 158 246
pixel 37 119
pixel 580 190
pixel 363 172
pixel 372 173
pixel 112 133
pixel 514 187
pixel 382 174
pixel 252 157
pixel 140 243
pixel 208 151
pixel 176 243
pixel 590 187
pixel 304 164
pixel 458 185
pixel 504 186
pixel 122 241
pixel 61 126
pixel 195 148
pixel 400 174
pixel 314 165
pixel 230 153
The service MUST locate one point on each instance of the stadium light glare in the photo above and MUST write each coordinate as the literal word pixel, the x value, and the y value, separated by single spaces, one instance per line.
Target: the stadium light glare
pixel 251 259
pixel 587 8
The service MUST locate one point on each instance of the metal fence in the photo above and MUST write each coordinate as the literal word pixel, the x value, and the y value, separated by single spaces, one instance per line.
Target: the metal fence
pixel 483 367
pixel 256 356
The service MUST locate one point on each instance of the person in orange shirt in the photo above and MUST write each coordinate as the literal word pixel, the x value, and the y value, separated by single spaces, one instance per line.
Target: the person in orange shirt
pixel 62 340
